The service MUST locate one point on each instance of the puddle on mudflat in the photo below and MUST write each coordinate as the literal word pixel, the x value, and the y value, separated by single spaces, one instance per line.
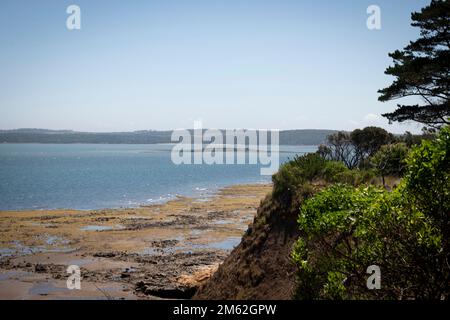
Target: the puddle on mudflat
pixel 55 240
pixel 14 275
pixel 44 288
pixel 20 249
pixel 96 228
pixel 220 222
pixel 6 252
pixel 101 228
pixel 51 240
pixel 227 244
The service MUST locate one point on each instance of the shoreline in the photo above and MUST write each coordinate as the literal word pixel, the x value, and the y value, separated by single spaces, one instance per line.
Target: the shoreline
pixel 148 252
pixel 207 193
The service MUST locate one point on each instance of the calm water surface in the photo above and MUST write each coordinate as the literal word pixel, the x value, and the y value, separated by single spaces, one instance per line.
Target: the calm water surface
pixel 94 176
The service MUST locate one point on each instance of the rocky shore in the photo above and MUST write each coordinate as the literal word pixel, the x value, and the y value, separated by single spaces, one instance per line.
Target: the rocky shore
pixel 154 252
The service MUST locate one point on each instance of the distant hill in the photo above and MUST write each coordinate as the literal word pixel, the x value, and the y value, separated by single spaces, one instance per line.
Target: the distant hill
pixel 304 136
pixel 287 137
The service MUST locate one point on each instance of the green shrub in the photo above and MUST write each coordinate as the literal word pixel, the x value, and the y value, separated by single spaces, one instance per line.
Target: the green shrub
pixel 310 165
pixel 334 170
pixel 405 232
pixel 347 229
pixel 427 178
pixel 293 177
pixel 337 172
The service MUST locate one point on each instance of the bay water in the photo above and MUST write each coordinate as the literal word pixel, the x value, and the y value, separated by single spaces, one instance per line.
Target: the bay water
pixel 96 176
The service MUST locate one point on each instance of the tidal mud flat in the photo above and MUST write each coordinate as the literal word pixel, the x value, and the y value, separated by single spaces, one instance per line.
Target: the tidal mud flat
pixel 152 252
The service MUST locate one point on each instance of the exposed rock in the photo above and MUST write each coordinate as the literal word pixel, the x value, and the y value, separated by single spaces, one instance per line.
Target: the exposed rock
pixel 40 268
pixel 180 292
pixel 104 254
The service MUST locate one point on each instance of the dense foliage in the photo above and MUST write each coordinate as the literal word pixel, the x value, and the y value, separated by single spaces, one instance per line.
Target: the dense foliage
pixel 369 140
pixel 292 181
pixel 427 180
pixel 404 232
pixel 298 178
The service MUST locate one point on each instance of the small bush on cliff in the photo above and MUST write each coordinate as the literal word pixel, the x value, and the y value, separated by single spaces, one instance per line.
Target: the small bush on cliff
pixel 404 232
pixel 293 177
pixel 337 172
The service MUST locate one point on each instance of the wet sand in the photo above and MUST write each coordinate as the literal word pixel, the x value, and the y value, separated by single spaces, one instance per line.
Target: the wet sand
pixel 152 252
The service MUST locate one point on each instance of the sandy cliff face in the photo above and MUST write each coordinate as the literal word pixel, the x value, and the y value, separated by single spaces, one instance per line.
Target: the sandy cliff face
pixel 260 267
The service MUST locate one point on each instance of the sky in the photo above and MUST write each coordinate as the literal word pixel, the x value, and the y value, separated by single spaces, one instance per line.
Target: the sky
pixel 141 65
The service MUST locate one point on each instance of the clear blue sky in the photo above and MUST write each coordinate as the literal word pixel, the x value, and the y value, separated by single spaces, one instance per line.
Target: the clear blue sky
pixel 138 65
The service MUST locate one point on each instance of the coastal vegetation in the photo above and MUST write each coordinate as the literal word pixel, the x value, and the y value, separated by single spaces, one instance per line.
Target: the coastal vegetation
pixel 401 227
pixel 346 228
pixel 323 225
pixel 366 200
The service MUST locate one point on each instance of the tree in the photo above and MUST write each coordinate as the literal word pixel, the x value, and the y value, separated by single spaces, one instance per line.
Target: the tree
pixel 390 160
pixel 422 69
pixel 369 140
pixel 340 148
pixel 355 147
